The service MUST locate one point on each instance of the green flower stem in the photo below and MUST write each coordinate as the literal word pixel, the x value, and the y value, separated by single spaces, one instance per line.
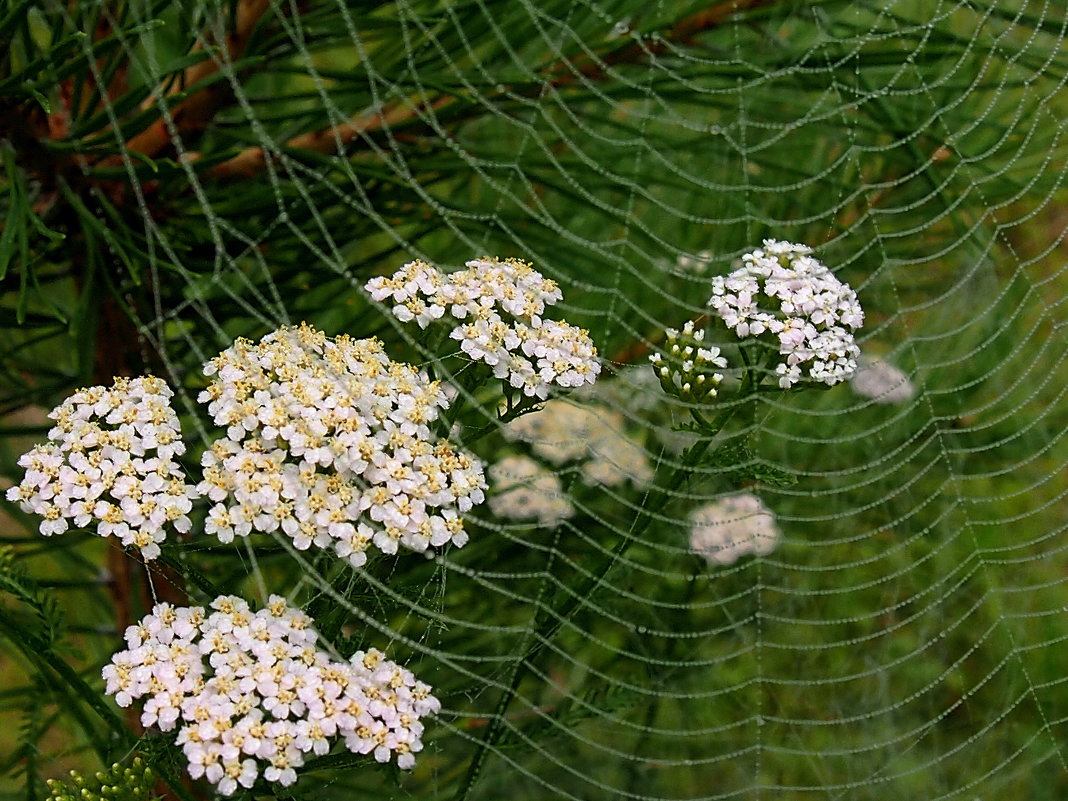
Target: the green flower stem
pixel 510 414
pixel 550 624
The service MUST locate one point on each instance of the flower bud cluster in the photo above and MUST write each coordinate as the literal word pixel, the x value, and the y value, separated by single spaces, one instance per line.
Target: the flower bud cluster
pixel 591 434
pixel 524 490
pixel 117 783
pixel 250 694
pixel 325 435
pixel 500 304
pixel 687 369
pixel 109 462
pixel 726 529
pixel 783 290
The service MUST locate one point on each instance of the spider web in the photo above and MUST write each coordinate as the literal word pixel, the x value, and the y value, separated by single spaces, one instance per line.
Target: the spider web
pixel 902 639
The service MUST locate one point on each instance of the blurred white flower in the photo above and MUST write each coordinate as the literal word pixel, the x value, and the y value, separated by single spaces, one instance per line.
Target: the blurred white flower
pixel 500 303
pixel 882 382
pixel 328 441
pixel 589 433
pixel 249 692
pixel 522 489
pixel 783 291
pixel 731 527
pixel 109 462
pixel 697 264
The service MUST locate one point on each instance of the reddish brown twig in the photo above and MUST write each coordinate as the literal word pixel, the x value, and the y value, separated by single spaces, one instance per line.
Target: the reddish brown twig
pixel 194 113
pixel 253 160
pixel 683 32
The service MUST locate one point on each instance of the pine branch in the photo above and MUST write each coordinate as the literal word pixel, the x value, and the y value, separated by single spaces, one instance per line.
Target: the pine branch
pixel 334 139
pixel 683 32
pixel 196 111
pixel 253 160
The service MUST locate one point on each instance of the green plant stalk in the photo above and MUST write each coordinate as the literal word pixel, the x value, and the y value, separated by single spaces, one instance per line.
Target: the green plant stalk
pixel 552 623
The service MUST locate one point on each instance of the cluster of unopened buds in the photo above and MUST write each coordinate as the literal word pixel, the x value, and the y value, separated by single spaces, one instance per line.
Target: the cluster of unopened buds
pixel 328 441
pixel 687 369
pixel 250 693
pixel 496 312
pixel 109 463
pixel 782 290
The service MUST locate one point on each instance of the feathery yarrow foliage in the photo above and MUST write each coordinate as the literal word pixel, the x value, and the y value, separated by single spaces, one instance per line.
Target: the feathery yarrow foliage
pixel 251 695
pixel 500 303
pixel 329 442
pixel 109 463
pixel 780 289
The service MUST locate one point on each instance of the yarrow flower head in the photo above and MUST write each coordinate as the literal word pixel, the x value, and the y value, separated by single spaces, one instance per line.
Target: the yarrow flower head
pixel 782 290
pixel 524 490
pixel 500 306
pixel 687 369
pixel 726 529
pixel 882 382
pixel 329 442
pixel 591 434
pixel 109 462
pixel 250 693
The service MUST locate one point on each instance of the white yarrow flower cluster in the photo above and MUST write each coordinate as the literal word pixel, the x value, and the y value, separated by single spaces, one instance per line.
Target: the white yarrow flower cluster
pixel 328 441
pixel 109 462
pixel 734 526
pixel 500 304
pixel 783 290
pixel 882 382
pixel 522 489
pixel 250 694
pixel 589 433
pixel 688 369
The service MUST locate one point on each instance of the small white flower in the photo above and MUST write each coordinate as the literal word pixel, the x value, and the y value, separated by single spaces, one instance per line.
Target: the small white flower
pixel 783 290
pixel 501 304
pixel 882 382
pixel 331 431
pixel 524 490
pixel 110 458
pixel 688 370
pixel 249 693
pixel 589 433
pixel 734 526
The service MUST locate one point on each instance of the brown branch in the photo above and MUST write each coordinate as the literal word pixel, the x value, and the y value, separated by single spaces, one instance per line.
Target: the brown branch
pixel 253 160
pixel 683 32
pixel 196 111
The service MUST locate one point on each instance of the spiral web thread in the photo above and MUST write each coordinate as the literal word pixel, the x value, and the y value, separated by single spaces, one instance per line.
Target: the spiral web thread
pixel 903 638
